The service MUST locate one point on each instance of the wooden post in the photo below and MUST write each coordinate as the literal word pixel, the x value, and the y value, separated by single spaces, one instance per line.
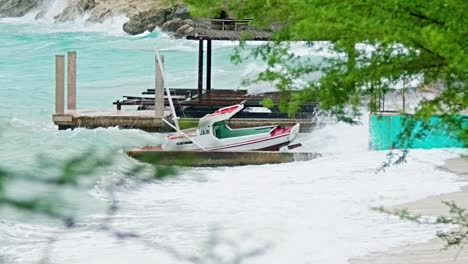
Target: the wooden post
pixel 379 99
pixel 200 67
pixel 208 65
pixel 404 96
pixel 59 84
pixel 383 101
pixel 71 81
pixel 159 89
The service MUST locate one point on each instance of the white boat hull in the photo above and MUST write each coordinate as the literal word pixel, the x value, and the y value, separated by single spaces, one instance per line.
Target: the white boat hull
pixel 214 134
pixel 265 141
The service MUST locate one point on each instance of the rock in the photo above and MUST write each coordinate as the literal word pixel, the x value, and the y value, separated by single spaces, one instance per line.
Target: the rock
pixel 40 15
pixel 99 15
pixel 180 12
pixel 17 8
pixel 144 21
pixel 75 11
pixel 169 19
pixel 189 22
pixel 151 27
pixel 133 28
pixel 184 30
pixel 172 25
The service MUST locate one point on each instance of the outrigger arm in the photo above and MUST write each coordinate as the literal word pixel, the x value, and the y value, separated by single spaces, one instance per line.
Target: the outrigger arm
pixel 183 134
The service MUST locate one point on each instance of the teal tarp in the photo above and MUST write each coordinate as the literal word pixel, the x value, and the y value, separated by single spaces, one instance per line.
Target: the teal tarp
pixel 385 129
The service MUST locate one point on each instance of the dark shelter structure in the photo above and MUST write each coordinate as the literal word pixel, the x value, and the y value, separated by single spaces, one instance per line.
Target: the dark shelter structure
pixel 195 103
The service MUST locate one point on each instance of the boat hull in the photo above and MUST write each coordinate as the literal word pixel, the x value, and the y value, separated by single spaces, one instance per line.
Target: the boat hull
pixel 273 140
pixel 157 156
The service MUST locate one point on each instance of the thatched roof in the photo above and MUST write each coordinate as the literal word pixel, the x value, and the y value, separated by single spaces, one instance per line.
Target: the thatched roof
pixel 227 29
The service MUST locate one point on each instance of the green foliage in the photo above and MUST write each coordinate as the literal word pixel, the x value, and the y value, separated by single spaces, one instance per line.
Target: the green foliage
pixel 268 102
pixel 377 44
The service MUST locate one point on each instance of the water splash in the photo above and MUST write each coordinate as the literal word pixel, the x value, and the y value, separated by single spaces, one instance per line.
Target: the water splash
pixel 51 8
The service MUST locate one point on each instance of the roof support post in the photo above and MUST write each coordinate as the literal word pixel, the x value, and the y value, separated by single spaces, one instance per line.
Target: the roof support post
pixel 200 67
pixel 208 65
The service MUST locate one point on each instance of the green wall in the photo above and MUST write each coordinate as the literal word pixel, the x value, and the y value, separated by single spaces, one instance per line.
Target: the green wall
pixel 385 128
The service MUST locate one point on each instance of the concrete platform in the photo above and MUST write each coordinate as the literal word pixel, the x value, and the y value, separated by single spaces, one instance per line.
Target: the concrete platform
pixel 155 155
pixel 146 120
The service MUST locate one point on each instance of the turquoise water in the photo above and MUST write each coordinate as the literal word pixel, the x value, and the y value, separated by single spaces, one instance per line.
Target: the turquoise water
pixel 109 66
pixel 298 209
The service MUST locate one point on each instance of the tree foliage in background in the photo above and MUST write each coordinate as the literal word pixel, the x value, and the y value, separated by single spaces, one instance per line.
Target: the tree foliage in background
pixel 377 44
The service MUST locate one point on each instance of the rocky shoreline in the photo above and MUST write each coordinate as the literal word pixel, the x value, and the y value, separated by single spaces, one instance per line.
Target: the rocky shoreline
pixel 144 15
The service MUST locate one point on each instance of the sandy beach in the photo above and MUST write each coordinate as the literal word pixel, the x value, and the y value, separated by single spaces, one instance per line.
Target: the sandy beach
pixel 429 252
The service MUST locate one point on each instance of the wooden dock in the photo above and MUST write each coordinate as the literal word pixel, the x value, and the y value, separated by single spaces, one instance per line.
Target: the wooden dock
pixel 153 105
pixel 144 120
pixel 147 121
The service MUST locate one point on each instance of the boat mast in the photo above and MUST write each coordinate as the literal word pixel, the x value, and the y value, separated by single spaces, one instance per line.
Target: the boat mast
pixel 168 92
pixel 174 115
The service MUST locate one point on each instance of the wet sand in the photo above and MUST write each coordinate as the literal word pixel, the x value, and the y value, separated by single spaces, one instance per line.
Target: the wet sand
pixel 430 252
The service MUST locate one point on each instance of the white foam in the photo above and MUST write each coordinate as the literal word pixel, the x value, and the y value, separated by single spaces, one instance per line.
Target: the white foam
pixel 46 24
pixel 29 18
pixel 316 48
pixel 52 8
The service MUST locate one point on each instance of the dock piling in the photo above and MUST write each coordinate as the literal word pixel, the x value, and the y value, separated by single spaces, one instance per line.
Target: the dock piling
pixel 59 84
pixel 71 81
pixel 159 88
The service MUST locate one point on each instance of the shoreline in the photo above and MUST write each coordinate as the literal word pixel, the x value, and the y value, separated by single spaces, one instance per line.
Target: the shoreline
pixel 431 251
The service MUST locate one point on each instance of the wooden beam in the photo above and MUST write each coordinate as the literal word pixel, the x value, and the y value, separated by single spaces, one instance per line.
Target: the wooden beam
pixel 71 81
pixel 59 84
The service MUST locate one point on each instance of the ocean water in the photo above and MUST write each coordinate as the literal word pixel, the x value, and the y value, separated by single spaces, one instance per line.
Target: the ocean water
pixel 304 212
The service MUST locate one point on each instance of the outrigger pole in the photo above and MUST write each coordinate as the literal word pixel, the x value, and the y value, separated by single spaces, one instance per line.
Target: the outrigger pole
pixel 169 97
pixel 168 92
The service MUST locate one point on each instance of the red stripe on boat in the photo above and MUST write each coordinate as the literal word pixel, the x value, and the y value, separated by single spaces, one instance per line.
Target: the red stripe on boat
pixel 225 110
